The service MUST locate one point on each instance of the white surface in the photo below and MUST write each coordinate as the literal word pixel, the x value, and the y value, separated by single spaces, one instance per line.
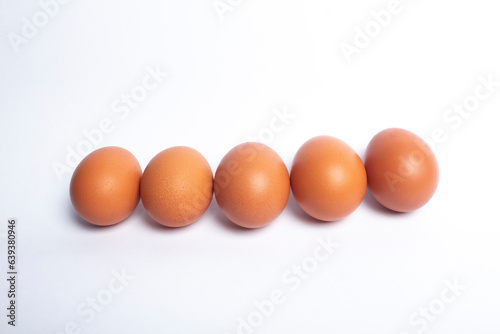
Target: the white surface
pixel 225 79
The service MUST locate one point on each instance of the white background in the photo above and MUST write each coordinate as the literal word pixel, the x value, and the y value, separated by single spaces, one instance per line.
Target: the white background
pixel 226 78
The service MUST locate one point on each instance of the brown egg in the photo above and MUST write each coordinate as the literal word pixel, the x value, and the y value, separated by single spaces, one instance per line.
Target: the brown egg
pixel 177 186
pixel 328 178
pixel 402 170
pixel 104 188
pixel 252 185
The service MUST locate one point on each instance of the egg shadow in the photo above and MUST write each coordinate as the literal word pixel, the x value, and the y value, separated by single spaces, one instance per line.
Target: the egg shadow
pixel 374 205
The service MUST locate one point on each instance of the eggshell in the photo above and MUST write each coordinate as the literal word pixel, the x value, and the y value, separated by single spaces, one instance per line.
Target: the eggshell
pixel 177 186
pixel 328 178
pixel 104 188
pixel 252 185
pixel 402 170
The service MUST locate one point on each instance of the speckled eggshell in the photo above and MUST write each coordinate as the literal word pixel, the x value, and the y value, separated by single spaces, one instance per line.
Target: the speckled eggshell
pixel 104 189
pixel 252 185
pixel 177 186
pixel 402 170
pixel 328 178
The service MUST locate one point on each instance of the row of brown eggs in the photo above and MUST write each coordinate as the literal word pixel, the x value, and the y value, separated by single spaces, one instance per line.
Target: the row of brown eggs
pixel 252 184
